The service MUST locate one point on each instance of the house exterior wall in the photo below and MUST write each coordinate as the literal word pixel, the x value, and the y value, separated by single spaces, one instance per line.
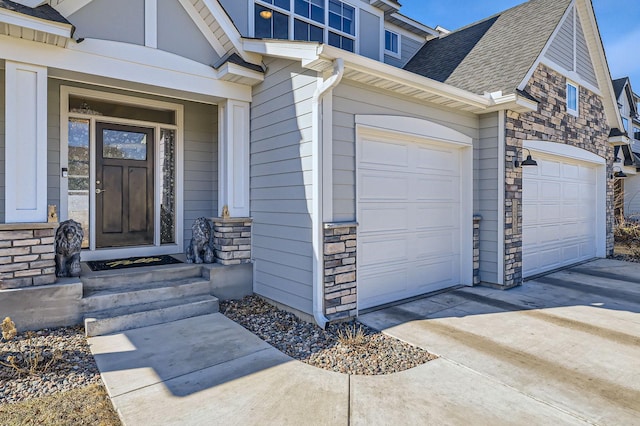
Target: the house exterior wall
pixel 632 197
pixel 200 164
pixel 116 20
pixel 2 142
pixel 281 184
pixel 562 52
pixel 238 10
pixel 178 34
pixel 588 131
pixel 486 196
pixel 408 48
pixel 350 99
pixel 369 41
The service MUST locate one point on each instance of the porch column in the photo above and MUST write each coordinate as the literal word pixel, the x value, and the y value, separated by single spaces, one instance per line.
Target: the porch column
pixel 233 157
pixel 25 143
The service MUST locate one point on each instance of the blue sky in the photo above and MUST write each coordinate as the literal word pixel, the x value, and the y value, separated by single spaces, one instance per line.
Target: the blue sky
pixel 619 22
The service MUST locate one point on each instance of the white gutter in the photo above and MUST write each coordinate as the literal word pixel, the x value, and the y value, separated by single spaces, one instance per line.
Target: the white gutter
pixel 324 87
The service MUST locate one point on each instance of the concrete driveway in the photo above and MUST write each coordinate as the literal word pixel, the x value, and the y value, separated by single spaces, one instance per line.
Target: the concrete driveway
pixel 569 340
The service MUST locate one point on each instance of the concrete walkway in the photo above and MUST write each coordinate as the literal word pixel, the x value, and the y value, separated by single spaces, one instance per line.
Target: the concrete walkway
pixel 563 349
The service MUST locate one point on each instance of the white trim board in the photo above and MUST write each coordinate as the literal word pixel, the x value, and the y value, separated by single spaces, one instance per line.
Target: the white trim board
pixel 563 150
pixel 414 127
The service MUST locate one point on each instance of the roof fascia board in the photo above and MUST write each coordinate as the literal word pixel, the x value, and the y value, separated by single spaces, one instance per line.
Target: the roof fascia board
pixel 230 30
pixel 36 24
pixel 69 7
pixel 282 49
pixel 126 62
pixel 417 25
pixel 240 71
pixel 382 70
pixel 512 102
pixel 546 47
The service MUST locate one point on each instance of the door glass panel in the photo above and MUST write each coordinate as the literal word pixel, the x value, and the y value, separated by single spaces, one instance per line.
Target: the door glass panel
pixel 124 145
pixel 168 186
pixel 78 192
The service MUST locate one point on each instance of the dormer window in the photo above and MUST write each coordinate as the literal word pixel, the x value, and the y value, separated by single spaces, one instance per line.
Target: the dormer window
pixel 573 95
pixel 391 43
pixel 324 21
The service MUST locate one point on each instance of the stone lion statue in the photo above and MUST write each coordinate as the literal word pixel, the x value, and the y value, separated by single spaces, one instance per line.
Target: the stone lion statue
pixel 199 249
pixel 68 242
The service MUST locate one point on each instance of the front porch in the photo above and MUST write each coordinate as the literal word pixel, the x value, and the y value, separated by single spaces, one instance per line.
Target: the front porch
pixel 121 299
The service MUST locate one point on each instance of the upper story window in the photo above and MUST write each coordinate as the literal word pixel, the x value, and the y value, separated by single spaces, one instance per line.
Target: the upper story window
pixel 391 43
pixel 573 95
pixel 324 21
pixel 636 133
pixel 625 124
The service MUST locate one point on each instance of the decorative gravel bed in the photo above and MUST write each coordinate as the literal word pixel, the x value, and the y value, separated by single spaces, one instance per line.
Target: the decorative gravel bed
pixel 71 364
pixel 626 258
pixel 349 347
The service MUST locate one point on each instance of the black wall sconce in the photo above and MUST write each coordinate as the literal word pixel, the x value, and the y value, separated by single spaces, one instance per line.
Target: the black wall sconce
pixel 618 174
pixel 527 162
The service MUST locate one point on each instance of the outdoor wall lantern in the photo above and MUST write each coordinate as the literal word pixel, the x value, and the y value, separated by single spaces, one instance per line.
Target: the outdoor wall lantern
pixel 618 174
pixel 527 162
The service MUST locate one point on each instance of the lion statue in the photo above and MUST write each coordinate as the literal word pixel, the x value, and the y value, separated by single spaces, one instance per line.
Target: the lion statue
pixel 68 242
pixel 199 249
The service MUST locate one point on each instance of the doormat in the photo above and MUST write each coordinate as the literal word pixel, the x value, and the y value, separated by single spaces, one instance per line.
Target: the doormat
pixel 132 262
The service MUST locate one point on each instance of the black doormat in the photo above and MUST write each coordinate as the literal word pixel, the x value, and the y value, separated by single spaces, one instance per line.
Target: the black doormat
pixel 131 262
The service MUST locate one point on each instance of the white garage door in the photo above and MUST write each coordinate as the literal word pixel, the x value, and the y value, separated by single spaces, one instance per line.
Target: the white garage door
pixel 409 215
pixel 558 214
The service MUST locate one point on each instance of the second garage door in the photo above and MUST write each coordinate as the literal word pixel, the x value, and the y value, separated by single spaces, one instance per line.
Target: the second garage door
pixel 558 214
pixel 409 215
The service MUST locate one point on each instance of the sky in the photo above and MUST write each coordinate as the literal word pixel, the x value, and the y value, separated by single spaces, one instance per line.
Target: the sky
pixel 618 20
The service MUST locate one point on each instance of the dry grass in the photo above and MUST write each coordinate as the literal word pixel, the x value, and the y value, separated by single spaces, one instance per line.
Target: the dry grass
pixel 352 336
pixel 83 406
pixel 627 238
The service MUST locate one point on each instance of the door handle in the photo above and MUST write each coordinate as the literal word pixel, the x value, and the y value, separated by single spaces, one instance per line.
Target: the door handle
pixel 100 191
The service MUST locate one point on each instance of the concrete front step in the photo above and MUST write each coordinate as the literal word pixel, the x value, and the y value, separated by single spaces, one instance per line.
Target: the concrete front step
pixel 109 280
pixel 136 316
pixel 139 294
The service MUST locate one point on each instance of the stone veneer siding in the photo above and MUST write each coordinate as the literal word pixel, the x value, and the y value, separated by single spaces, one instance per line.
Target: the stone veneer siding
pixel 27 256
pixel 551 123
pixel 340 288
pixel 476 249
pixel 232 240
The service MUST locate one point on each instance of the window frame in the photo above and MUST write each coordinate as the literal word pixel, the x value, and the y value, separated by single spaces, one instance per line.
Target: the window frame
pixel 397 54
pixel 570 110
pixel 292 16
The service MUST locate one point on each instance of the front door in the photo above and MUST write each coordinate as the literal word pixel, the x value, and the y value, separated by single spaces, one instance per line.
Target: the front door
pixel 124 185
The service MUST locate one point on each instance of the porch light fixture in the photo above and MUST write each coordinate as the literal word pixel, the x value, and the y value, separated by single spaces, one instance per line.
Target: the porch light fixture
pixel 618 174
pixel 266 14
pixel 527 162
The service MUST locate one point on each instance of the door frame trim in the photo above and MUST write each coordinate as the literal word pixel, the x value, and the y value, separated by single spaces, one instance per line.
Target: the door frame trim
pixel 157 249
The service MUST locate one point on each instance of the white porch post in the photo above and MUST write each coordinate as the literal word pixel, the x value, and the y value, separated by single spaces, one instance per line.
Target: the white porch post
pixel 233 158
pixel 25 143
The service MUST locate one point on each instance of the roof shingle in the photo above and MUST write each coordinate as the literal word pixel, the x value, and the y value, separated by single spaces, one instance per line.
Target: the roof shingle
pixel 45 11
pixel 494 54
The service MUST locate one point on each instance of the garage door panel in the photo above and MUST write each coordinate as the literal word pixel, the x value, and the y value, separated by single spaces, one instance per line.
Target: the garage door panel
pixel 436 188
pixel 549 169
pixel 431 217
pixel 559 220
pixel 437 160
pixel 440 244
pixel 376 217
pixel 383 251
pixel 381 187
pixel 379 153
pixel 409 216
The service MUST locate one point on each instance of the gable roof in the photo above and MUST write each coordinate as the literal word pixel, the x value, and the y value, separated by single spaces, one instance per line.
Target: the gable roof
pixel 494 54
pixel 44 12
pixel 618 86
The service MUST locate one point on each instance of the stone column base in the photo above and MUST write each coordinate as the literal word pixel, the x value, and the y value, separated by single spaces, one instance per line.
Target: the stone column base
pixel 27 254
pixel 340 271
pixel 232 240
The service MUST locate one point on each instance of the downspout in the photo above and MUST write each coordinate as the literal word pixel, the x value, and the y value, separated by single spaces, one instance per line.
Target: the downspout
pixel 317 142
